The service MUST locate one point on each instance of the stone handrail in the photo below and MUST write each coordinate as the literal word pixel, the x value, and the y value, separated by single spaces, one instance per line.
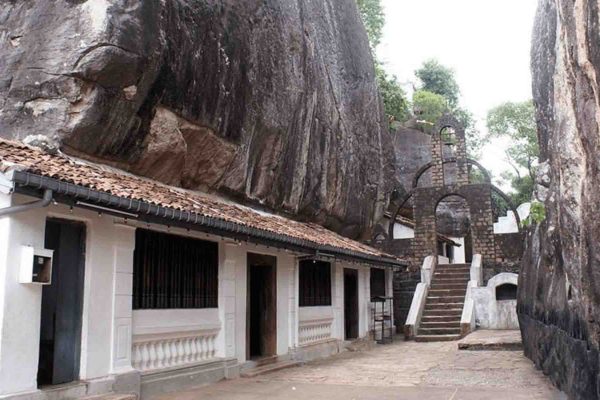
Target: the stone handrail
pixel 476 272
pixel 418 302
pixel 467 320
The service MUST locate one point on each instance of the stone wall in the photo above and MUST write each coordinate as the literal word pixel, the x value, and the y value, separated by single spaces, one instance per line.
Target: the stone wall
pixel 478 198
pixel 405 283
pixel 559 284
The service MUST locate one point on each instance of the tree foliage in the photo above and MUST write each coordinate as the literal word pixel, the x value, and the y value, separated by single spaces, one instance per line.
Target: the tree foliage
pixel 516 122
pixel 436 78
pixel 440 80
pixel 395 103
pixel 428 108
pixel 397 107
pixel 373 18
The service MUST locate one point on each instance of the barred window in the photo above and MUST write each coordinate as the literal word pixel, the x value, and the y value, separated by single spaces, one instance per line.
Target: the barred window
pixel 315 283
pixel 377 282
pixel 172 271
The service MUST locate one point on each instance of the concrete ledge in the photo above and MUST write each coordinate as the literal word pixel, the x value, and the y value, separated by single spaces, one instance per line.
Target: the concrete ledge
pixel 165 381
pixel 125 384
pixel 492 340
pixel 322 349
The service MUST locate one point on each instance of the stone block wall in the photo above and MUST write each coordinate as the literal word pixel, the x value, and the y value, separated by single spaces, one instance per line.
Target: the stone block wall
pixel 478 198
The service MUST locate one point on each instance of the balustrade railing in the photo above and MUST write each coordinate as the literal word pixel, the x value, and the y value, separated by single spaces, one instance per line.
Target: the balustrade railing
pixel 153 352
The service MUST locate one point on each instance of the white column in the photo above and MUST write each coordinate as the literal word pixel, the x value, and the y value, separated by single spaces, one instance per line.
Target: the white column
pixel 337 298
pixel 283 314
pixel 20 304
pixel 236 260
pixel 228 288
pixel 364 297
pixel 389 292
pixel 123 248
pixel 295 304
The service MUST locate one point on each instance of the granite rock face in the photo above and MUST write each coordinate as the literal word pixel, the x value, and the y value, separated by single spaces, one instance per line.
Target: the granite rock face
pixel 559 286
pixel 270 101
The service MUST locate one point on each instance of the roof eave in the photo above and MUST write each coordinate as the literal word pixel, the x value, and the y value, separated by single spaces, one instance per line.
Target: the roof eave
pixel 70 193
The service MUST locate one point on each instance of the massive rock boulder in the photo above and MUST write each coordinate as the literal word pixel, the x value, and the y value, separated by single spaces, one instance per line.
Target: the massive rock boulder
pixel 559 286
pixel 267 101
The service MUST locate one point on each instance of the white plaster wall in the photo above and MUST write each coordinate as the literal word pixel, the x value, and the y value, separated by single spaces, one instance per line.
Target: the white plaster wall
pixel 147 322
pixel 315 313
pixel 105 316
pixel 21 303
pixel 403 231
pixel 508 223
pixel 493 314
pixel 459 252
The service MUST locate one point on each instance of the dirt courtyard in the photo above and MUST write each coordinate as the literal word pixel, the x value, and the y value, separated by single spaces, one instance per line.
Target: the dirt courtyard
pixel 402 370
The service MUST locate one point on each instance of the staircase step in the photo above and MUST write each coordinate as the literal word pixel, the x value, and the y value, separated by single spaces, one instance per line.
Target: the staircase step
pixel 444 299
pixel 447 269
pixel 451 275
pixel 436 338
pixel 440 324
pixel 443 313
pixel 265 369
pixel 444 306
pixel 451 280
pixel 448 286
pixel 441 318
pixel 111 396
pixel 435 292
pixel 439 331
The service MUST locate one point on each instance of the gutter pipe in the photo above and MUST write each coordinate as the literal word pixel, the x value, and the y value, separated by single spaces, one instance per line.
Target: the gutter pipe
pixel 162 215
pixel 44 202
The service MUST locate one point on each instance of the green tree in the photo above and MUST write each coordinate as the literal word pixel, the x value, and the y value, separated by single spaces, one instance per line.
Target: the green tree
pixel 373 18
pixel 516 122
pixel 397 107
pixel 439 79
pixel 395 103
pixel 428 108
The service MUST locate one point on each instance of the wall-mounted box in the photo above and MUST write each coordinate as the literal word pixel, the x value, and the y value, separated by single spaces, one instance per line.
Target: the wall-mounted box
pixel 36 266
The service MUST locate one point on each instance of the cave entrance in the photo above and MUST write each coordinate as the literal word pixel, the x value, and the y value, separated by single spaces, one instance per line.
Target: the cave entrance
pixel 453 230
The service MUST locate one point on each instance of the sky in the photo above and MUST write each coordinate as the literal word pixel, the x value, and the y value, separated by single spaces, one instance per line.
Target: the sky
pixel 486 43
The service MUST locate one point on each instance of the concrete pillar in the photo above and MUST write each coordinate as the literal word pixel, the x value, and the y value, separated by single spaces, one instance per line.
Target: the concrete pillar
pixel 124 246
pixel 285 278
pixel 337 300
pixel 229 291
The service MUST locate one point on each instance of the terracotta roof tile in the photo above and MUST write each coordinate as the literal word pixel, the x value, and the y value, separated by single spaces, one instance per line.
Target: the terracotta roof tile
pixel 119 183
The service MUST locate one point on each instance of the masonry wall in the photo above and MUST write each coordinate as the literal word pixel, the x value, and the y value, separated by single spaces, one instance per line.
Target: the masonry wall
pixel 119 341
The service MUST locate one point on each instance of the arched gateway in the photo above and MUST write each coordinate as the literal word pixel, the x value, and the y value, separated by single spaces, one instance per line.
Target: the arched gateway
pixel 449 174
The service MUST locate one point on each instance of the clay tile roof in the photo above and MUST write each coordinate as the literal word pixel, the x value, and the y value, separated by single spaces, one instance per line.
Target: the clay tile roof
pixel 102 178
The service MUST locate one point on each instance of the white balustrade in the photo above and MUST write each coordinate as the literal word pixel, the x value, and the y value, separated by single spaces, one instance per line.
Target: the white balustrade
pixel 158 351
pixel 313 331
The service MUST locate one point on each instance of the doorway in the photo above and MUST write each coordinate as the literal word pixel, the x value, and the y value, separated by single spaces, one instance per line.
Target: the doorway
pixel 350 303
pixel 62 303
pixel 261 323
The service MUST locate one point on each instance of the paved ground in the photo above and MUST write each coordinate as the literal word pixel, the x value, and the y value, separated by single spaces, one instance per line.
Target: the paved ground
pixel 400 371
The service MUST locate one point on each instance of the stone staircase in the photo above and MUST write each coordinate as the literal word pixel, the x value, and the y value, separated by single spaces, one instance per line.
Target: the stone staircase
pixel 266 365
pixel 444 304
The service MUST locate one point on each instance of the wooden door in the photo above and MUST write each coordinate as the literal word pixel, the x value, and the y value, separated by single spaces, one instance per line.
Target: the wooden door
pixel 261 332
pixel 351 316
pixel 62 303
